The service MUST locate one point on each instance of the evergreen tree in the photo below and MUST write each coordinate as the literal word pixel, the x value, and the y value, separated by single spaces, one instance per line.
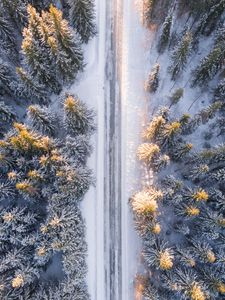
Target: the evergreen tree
pixel 6 114
pixel 66 39
pixel 30 88
pixel 153 80
pixel 209 66
pixel 169 133
pixel 148 152
pixel 159 256
pixel 186 284
pixel 78 119
pixel 210 19
pixel 7 37
pixel 181 151
pixel 219 92
pixel 154 128
pixel 176 96
pixel 148 10
pixel 180 55
pixel 145 202
pixel 36 54
pixel 41 119
pixel 16 10
pixel 202 117
pixel 165 34
pixel 8 82
pixel 82 17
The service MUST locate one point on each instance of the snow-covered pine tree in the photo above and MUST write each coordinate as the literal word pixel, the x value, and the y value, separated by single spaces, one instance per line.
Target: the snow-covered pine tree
pixel 209 20
pixel 198 172
pixel 78 148
pixel 8 82
pixel 145 202
pixel 203 251
pixel 165 34
pixel 161 162
pixel 78 119
pixel 209 65
pixel 41 119
pixel 153 80
pixel 67 40
pixel 37 60
pixel 186 283
pixel 30 88
pixel 202 117
pixel 214 279
pixel 219 92
pixel 154 128
pixel 148 9
pixel 181 151
pixel 176 96
pixel 8 41
pixel 148 152
pixel 16 10
pixel 6 114
pixel 42 4
pixel 169 134
pixel 159 255
pixel 82 18
pixel 180 55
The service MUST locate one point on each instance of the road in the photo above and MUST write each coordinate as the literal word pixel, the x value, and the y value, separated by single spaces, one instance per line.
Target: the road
pixel 113 282
pixel 114 77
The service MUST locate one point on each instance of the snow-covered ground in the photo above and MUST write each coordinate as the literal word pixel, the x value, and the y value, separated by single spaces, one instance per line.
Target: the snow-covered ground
pixel 91 90
pixel 136 42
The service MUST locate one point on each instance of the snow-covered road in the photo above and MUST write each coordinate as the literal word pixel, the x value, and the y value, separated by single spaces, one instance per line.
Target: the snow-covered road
pixel 114 85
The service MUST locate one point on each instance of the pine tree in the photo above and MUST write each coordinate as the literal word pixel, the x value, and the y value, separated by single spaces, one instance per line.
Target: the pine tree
pixel 78 119
pixel 68 42
pixel 165 34
pixel 16 10
pixel 209 66
pixel 203 251
pixel 78 148
pixel 154 128
pixel 198 172
pixel 186 257
pixel 35 53
pixel 180 55
pixel 82 17
pixel 160 163
pixel 8 82
pixel 31 88
pixel 41 119
pixel 6 114
pixel 7 37
pixel 186 284
pixel 145 202
pixel 169 133
pixel 176 96
pixel 148 10
pixel 219 92
pixel 181 151
pixel 153 80
pixel 214 280
pixel 210 19
pixel 202 117
pixel 159 256
pixel 148 152
pixel 41 4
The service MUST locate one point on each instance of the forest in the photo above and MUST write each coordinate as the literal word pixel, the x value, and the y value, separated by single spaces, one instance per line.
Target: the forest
pixel 179 211
pixel 45 143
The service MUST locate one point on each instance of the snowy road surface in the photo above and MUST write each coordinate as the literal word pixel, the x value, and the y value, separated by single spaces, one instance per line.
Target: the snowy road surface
pixel 113 84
